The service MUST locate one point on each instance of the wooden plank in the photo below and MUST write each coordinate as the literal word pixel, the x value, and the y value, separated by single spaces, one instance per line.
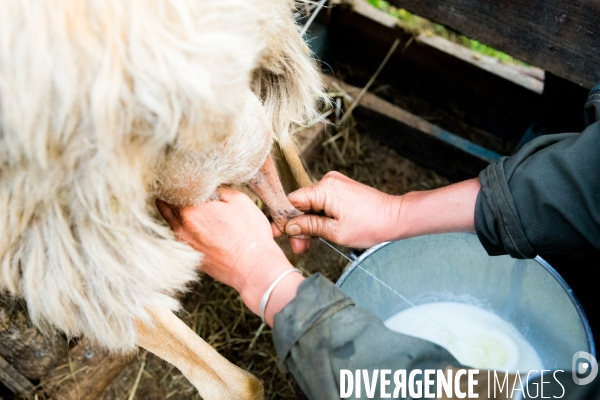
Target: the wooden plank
pixel 445 75
pixel 13 380
pixel 416 138
pixel 23 345
pixel 527 77
pixel 560 36
pixel 531 78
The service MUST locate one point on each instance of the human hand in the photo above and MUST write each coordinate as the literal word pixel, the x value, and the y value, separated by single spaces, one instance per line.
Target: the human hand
pixel 237 243
pixel 356 215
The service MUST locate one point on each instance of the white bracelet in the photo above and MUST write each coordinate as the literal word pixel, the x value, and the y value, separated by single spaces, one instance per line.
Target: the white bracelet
pixel 265 298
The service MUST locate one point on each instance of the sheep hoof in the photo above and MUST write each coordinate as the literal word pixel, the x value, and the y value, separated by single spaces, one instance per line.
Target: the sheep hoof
pixel 252 389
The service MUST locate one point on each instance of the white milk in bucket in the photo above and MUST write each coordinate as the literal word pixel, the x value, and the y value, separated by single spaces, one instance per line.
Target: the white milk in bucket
pixel 514 301
pixel 476 337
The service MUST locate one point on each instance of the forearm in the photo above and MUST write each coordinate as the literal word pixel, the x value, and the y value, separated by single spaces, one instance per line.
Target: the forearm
pixel 448 209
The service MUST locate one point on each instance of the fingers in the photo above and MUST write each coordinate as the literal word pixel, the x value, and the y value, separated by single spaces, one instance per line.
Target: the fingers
pixel 168 214
pixel 232 196
pixel 311 225
pixel 276 232
pixel 316 197
pixel 308 198
pixel 228 194
pixel 299 245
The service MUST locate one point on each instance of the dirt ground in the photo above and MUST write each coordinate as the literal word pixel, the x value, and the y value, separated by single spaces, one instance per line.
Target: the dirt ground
pixel 217 314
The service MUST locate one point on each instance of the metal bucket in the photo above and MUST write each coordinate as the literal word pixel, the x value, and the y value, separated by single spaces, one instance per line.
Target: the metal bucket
pixel 530 294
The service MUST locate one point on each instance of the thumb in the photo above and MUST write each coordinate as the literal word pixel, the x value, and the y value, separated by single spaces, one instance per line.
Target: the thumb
pixel 167 213
pixel 227 194
pixel 311 225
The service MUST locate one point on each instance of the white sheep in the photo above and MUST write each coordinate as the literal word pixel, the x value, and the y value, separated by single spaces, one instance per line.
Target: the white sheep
pixel 105 104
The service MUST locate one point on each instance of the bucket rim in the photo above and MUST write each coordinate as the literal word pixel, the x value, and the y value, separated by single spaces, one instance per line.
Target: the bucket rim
pixel 553 272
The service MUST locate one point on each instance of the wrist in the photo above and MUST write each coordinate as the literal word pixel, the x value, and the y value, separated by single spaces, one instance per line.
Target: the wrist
pixel 265 269
pixel 411 218
pixel 283 293
pixel 394 218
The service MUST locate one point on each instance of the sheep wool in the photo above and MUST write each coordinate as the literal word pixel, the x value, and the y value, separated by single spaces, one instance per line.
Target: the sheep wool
pixel 105 104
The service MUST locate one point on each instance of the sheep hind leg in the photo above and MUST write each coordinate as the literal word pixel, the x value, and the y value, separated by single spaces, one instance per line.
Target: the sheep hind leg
pixel 214 377
pixel 288 148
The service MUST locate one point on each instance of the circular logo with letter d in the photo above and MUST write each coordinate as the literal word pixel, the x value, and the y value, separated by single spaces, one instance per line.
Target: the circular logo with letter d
pixel 583 363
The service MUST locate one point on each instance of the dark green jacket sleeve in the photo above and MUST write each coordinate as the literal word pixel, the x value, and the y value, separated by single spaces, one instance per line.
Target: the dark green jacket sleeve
pixel 321 332
pixel 546 197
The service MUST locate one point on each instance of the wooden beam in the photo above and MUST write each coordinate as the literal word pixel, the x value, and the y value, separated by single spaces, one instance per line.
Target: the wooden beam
pixel 416 138
pixel 25 347
pixel 13 380
pixel 531 78
pixel 560 36
pixel 499 99
pixel 527 77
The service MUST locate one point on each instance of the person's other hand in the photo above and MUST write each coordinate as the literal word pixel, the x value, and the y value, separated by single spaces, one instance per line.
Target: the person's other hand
pixel 356 215
pixel 359 216
pixel 236 240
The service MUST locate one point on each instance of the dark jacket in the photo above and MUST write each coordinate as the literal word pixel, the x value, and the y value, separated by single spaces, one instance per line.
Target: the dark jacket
pixel 544 199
